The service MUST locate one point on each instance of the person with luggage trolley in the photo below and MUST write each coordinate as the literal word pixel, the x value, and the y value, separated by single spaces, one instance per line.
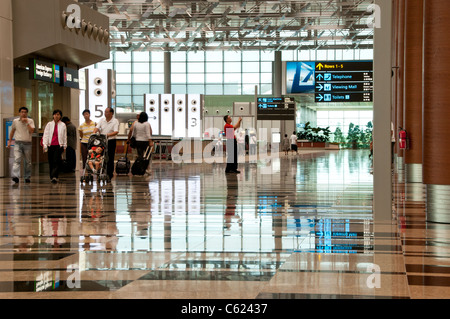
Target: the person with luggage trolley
pixel 142 133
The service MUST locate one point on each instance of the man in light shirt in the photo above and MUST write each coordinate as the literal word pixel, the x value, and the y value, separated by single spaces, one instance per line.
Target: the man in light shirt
pixel 293 139
pixel 22 130
pixel 109 126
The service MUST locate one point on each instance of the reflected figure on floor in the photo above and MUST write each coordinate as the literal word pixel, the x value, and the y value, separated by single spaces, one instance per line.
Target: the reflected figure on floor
pixel 98 227
pixel 91 212
pixel 232 195
pixel 96 207
pixel 218 149
pixel 241 143
pixel 21 231
pixel 54 229
pixel 138 207
pixel 252 144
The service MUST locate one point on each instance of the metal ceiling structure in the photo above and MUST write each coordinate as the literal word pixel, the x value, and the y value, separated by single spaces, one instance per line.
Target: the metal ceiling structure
pixel 186 25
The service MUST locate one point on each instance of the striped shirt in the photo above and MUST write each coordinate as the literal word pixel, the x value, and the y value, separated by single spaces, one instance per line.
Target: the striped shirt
pixel 87 130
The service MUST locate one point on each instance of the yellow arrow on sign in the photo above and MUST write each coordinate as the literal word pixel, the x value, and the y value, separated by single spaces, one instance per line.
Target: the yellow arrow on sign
pixel 320 66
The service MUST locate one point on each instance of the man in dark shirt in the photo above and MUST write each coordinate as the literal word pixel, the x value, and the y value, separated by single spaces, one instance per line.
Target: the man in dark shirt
pixel 231 144
pixel 71 155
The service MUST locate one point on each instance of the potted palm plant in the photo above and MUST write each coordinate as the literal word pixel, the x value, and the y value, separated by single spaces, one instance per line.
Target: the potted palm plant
pixel 353 135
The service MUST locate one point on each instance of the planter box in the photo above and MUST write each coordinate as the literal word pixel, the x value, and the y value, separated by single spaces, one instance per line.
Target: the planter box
pixel 308 144
pixel 324 145
pixel 333 146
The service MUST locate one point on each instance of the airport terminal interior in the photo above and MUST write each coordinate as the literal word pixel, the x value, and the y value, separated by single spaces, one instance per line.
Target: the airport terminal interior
pixel 354 207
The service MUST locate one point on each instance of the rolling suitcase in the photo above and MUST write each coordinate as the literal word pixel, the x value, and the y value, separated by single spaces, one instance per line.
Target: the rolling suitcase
pixel 123 164
pixel 140 165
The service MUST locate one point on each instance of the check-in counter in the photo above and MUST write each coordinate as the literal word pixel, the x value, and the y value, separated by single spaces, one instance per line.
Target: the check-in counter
pixel 163 146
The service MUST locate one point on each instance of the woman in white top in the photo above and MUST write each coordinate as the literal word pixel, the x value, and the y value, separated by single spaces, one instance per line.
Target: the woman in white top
pixel 55 142
pixel 293 139
pixel 142 131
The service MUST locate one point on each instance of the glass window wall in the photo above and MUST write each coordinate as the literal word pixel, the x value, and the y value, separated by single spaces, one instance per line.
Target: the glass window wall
pixel 344 120
pixel 213 72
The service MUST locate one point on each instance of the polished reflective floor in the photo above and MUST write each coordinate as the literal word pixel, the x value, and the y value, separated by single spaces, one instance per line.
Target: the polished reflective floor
pixel 294 227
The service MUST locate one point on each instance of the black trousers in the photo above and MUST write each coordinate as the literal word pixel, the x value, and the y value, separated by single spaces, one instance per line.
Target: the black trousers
pixel 141 147
pixel 232 156
pixel 111 154
pixel 84 152
pixel 54 160
pixel 71 158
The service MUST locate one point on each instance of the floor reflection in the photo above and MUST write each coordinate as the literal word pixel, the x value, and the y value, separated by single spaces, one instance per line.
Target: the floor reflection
pixel 187 223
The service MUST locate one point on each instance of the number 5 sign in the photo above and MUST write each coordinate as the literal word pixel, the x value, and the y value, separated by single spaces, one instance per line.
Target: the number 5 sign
pixel 99 91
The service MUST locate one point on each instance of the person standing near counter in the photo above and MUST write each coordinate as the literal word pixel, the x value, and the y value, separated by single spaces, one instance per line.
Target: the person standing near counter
pixel 293 139
pixel 142 131
pixel 109 126
pixel 231 144
pixel 22 128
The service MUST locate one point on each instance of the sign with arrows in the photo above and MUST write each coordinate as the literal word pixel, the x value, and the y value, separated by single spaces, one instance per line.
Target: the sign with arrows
pixel 332 81
pixel 344 81
pixel 344 97
pixel 275 108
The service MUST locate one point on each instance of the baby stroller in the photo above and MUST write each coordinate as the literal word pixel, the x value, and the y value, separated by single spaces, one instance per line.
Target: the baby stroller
pixel 97 159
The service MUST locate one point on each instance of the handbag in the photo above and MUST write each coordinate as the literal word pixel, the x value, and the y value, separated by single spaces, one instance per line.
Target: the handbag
pixel 133 142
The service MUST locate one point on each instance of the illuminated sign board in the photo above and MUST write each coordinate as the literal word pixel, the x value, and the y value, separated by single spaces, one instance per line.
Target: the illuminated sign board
pixel 344 97
pixel 70 78
pixel 275 108
pixel 331 81
pixel 44 71
pixel 336 236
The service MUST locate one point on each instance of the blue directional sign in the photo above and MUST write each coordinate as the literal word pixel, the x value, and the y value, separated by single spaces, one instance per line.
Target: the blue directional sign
pixel 270 108
pixel 332 81
pixel 337 236
pixel 344 81
pixel 344 97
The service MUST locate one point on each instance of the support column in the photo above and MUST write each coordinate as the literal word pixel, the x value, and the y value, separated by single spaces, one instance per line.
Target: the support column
pixel 277 74
pixel 167 73
pixel 394 72
pixel 412 89
pixel 400 77
pixel 382 197
pixel 6 110
pixel 436 111
pixel 6 74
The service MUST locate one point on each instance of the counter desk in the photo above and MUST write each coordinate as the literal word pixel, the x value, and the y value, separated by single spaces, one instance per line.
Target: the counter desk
pixel 163 146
